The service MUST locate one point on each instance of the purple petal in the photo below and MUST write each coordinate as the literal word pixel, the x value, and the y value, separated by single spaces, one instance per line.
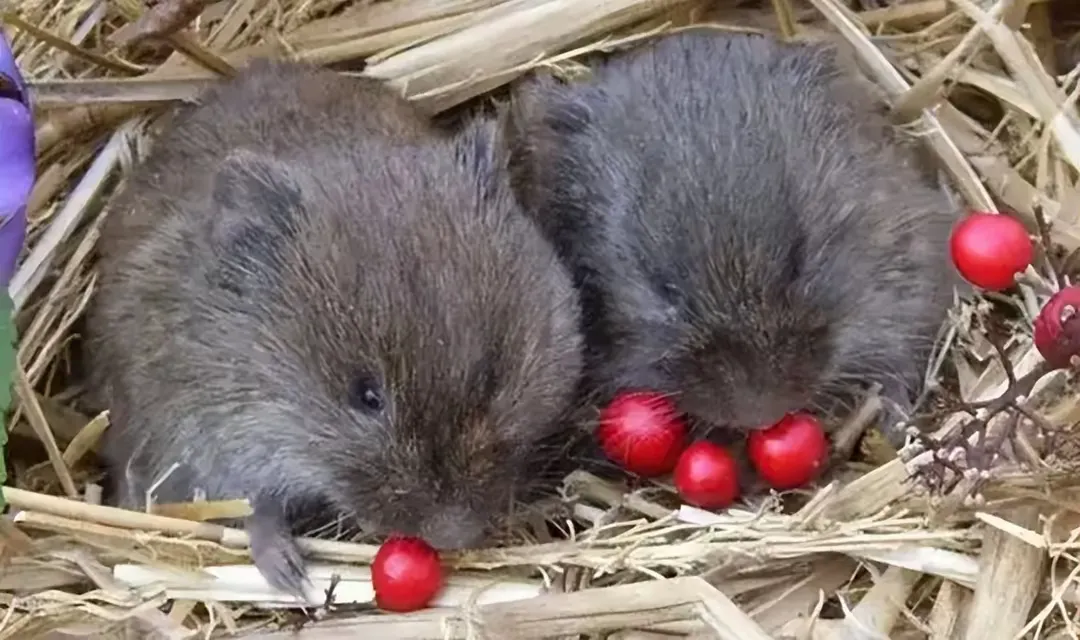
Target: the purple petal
pixel 17 169
pixel 16 155
pixel 12 237
pixel 16 181
pixel 9 68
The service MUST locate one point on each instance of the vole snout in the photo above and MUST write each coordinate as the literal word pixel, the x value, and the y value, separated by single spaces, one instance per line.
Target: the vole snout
pixel 453 528
pixel 749 410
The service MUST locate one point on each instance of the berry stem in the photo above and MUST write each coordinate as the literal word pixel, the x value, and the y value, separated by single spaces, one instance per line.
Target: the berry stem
pixel 1048 248
pixel 969 450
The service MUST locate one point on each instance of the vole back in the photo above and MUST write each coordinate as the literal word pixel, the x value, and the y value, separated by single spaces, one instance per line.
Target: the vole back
pixel 748 233
pixel 312 299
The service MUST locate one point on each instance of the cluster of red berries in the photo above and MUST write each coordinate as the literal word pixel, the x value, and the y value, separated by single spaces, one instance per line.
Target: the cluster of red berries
pixel 644 433
pixel 989 251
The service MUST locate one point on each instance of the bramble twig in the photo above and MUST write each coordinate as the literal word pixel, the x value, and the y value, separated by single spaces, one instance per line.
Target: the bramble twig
pixel 963 459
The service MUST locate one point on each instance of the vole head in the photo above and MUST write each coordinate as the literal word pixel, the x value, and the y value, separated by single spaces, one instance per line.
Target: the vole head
pixel 415 335
pixel 752 337
pixel 749 377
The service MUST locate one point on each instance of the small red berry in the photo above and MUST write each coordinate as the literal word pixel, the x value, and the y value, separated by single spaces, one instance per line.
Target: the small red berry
pixel 1057 328
pixel 643 432
pixel 790 453
pixel 706 476
pixel 405 574
pixel 989 249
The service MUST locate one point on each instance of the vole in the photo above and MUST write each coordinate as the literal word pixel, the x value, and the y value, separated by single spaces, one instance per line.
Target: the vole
pixel 748 232
pixel 312 298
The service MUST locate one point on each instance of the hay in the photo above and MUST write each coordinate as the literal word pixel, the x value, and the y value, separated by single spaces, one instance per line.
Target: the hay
pixel 863 556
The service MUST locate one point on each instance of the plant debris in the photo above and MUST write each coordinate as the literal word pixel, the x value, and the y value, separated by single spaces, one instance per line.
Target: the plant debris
pixel 163 18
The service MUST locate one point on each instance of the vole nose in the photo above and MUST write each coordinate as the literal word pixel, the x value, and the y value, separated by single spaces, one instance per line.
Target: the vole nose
pixel 763 418
pixel 759 415
pixel 454 528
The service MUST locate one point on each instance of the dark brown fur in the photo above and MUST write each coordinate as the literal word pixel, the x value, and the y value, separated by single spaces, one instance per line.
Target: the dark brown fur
pixel 311 298
pixel 748 233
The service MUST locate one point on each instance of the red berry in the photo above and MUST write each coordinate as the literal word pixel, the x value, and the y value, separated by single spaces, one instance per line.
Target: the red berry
pixel 790 453
pixel 707 476
pixel 643 432
pixel 1057 328
pixel 405 574
pixel 989 249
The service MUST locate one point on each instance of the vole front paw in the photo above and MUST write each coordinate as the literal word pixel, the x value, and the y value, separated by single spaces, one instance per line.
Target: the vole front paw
pixel 276 552
pixel 895 417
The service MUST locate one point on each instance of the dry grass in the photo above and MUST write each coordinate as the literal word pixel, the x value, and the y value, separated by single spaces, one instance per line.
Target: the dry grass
pixel 987 83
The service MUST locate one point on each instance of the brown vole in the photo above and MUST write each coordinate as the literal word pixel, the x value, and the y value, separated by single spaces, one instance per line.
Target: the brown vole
pixel 311 298
pixel 748 232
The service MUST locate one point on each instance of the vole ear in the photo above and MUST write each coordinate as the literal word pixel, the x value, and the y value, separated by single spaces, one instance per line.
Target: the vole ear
pixel 544 127
pixel 257 187
pixel 254 181
pixel 257 208
pixel 480 149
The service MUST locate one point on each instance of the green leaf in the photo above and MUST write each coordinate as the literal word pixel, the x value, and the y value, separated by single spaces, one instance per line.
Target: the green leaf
pixel 7 375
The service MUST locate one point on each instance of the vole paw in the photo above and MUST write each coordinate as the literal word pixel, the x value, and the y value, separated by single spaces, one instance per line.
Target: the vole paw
pixel 277 555
pixel 894 419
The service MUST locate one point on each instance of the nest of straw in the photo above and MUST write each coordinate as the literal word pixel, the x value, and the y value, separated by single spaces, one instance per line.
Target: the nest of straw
pixel 991 85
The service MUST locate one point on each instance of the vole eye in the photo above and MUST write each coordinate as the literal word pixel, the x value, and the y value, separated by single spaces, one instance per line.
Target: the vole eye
pixel 365 395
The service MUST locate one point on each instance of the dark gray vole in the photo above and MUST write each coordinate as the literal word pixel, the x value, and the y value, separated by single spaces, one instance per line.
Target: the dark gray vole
pixel 747 232
pixel 311 298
